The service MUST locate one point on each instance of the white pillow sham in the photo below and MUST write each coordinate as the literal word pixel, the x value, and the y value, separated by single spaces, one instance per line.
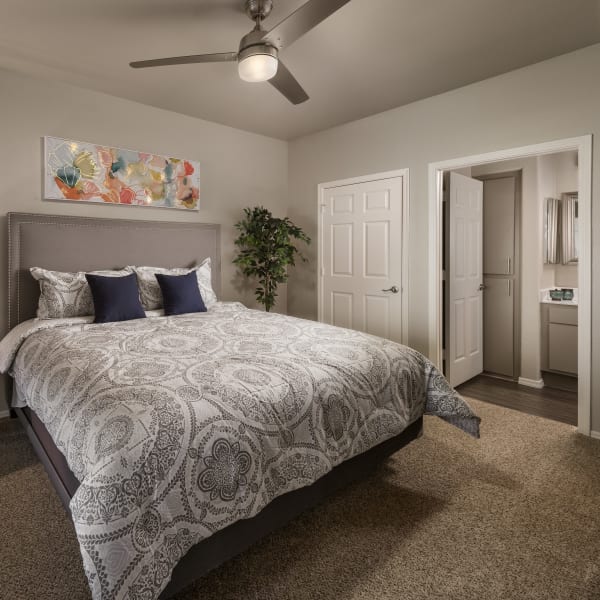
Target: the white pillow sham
pixel 64 295
pixel 150 290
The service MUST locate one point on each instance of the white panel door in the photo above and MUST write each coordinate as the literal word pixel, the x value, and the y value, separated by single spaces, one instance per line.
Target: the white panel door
pixel 361 271
pixel 464 343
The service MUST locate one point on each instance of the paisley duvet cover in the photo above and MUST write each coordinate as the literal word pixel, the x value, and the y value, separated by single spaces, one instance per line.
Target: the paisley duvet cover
pixel 177 427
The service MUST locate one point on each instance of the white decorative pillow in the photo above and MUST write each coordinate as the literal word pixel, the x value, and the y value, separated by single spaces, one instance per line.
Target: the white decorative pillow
pixel 65 295
pixel 150 290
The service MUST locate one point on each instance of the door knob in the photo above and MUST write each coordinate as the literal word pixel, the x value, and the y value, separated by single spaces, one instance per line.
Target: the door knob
pixel 481 287
pixel 394 289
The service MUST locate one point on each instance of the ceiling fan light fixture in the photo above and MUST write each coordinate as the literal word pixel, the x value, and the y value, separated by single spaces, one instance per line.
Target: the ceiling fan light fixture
pixel 258 63
pixel 257 57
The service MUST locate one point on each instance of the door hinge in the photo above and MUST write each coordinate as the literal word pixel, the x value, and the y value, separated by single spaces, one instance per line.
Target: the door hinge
pixel 322 271
pixel 323 207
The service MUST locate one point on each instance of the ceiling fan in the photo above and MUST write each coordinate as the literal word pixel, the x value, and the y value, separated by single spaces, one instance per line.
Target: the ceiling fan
pixel 258 54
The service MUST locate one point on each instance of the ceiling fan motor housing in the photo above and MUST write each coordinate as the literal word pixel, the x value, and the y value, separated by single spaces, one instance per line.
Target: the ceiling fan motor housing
pixel 253 43
pixel 259 9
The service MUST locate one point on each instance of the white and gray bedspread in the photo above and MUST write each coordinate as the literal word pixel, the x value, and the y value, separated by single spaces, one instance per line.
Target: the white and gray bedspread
pixel 177 427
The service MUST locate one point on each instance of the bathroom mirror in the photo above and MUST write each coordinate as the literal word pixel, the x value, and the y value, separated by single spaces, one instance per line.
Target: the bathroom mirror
pixel 569 229
pixel 551 231
pixel 561 230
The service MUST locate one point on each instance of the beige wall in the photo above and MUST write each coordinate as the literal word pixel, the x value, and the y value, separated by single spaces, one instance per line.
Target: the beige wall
pixel 238 169
pixel 566 276
pixel 522 107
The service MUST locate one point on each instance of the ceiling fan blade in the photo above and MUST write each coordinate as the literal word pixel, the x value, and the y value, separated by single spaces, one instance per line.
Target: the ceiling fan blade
pixel 285 82
pixel 301 21
pixel 185 60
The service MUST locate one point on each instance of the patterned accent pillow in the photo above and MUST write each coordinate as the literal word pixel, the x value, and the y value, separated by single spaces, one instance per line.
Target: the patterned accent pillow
pixel 64 295
pixel 150 290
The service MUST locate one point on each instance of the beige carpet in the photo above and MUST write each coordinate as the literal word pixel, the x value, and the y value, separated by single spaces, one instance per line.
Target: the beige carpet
pixel 513 515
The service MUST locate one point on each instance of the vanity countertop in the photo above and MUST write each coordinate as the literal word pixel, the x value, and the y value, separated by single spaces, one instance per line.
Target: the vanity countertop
pixel 545 298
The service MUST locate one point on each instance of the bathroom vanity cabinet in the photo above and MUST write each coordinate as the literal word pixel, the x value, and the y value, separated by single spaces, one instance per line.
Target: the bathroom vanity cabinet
pixel 559 338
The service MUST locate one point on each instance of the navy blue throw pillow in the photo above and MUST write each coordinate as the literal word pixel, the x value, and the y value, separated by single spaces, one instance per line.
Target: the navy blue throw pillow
pixel 180 293
pixel 115 298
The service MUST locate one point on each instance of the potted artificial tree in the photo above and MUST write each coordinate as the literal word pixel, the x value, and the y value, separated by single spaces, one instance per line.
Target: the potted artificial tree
pixel 266 249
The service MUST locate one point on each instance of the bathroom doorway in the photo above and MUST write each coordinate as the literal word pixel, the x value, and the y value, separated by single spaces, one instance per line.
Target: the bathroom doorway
pixel 532 282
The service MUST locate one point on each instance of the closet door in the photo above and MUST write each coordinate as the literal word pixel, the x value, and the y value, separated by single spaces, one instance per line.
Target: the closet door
pixel 361 249
pixel 498 330
pixel 501 240
pixel 499 226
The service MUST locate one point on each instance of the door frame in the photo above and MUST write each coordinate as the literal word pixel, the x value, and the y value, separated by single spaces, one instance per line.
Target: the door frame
pixel 321 188
pixel 583 145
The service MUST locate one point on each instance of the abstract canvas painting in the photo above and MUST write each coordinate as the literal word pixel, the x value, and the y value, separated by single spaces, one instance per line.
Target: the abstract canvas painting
pixel 84 172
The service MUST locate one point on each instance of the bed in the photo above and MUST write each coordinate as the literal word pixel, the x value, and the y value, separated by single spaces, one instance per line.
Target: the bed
pixel 262 415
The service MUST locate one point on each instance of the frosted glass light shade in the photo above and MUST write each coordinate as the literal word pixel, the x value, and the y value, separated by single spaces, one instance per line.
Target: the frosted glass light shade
pixel 258 67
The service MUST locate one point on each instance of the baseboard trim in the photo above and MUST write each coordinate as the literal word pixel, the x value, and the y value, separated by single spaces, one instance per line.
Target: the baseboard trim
pixel 4 414
pixel 534 383
pixel 595 435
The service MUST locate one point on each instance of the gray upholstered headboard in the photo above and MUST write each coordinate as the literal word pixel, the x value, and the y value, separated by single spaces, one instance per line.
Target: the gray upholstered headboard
pixel 64 243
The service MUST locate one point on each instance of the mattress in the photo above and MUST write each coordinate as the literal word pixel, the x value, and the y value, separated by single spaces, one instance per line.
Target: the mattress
pixel 177 427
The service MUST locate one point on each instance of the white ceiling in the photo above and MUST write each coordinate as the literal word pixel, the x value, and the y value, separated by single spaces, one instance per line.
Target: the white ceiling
pixel 369 56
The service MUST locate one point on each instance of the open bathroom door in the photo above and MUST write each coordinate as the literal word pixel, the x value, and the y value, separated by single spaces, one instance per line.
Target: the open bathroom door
pixel 464 322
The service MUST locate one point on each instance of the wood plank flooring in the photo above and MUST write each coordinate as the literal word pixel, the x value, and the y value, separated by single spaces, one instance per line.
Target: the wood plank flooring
pixel 550 403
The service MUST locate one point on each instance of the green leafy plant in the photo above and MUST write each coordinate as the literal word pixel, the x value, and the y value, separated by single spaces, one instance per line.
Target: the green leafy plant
pixel 267 248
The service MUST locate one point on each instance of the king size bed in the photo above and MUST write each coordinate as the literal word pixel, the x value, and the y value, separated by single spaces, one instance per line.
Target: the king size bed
pixel 175 442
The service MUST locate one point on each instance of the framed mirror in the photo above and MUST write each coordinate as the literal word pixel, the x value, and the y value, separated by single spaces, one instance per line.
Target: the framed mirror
pixel 569 229
pixel 551 231
pixel 561 230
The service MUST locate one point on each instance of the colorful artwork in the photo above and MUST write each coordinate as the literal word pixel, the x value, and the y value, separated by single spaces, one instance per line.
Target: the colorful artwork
pixel 85 172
